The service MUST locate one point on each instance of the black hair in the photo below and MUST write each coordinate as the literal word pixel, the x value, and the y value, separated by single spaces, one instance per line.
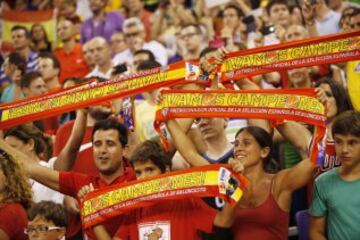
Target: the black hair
pixel 49 210
pixel 151 150
pixel 343 102
pixel 145 51
pixel 109 124
pixel 264 139
pixel 20 27
pixel 274 2
pixel 53 58
pixel 146 65
pixel 17 60
pixel 27 79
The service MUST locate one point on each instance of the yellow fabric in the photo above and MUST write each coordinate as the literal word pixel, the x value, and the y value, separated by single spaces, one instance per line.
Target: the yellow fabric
pixel 144 120
pixel 49 26
pixel 353 76
pixel 113 5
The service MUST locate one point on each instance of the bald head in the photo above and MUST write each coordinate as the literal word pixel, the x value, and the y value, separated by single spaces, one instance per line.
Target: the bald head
pixel 102 52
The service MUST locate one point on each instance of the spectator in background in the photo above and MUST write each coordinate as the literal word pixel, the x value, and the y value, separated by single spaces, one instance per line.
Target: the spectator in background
pixel 47 221
pixel 33 84
pixel 118 43
pixel 167 22
pixel 102 58
pixel 39 39
pixel 29 140
pixel 49 67
pixel 135 39
pixel 192 37
pixel 233 30
pixel 102 24
pixel 20 37
pixel 88 52
pixel 279 13
pixel 67 9
pixel 142 56
pixel 16 197
pixel 135 8
pixel 320 19
pixel 70 56
pixel 14 67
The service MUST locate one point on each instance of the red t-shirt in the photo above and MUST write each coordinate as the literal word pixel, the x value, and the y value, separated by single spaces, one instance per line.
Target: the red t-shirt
pixel 72 64
pixel 13 220
pixel 84 162
pixel 173 219
pixel 70 183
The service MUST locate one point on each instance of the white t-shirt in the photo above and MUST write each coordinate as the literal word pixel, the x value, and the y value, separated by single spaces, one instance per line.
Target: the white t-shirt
pixel 42 192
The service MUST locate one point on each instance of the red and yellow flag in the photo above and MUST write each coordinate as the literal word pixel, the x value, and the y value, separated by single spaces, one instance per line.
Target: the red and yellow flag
pixel 27 18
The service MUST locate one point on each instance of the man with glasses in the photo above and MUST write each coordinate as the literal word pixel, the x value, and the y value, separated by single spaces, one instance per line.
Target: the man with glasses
pixel 192 38
pixel 135 40
pixel 47 221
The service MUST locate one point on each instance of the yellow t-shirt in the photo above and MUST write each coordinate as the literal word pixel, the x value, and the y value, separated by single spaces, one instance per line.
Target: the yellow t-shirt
pixel 144 120
pixel 353 77
pixel 113 5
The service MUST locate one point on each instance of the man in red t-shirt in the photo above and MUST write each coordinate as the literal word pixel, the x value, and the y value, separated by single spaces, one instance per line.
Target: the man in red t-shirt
pixel 109 139
pixel 83 162
pixel 173 219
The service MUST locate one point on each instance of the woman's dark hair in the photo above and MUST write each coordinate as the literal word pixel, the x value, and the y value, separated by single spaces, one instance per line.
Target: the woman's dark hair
pixel 343 102
pixel 42 28
pixel 151 150
pixel 238 11
pixel 264 139
pixel 27 132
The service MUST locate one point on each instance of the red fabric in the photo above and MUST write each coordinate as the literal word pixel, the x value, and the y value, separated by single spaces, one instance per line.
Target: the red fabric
pixel 51 124
pixel 72 64
pixel 146 20
pixel 13 220
pixel 70 183
pixel 265 222
pixel 84 162
pixel 183 218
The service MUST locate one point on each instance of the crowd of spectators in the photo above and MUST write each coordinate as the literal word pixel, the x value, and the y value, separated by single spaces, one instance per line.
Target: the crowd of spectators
pixel 102 39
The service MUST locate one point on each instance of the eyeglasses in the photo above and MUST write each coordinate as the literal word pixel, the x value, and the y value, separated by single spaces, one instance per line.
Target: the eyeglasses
pixel 40 229
pixel 133 34
pixel 189 35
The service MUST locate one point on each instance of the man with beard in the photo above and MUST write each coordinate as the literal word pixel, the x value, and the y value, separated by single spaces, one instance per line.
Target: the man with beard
pixel 83 163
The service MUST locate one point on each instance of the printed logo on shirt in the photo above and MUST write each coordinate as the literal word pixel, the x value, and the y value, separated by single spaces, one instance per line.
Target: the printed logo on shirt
pixel 79 60
pixel 154 231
